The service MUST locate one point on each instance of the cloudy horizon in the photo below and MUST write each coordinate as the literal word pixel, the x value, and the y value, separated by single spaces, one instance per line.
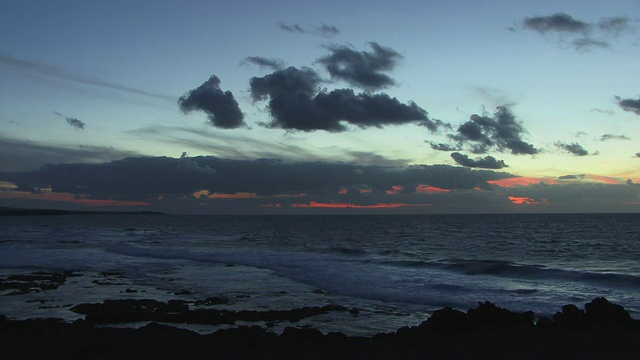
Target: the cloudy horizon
pixel 275 111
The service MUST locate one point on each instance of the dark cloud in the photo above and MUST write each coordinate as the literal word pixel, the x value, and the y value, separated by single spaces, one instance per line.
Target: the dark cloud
pixel 361 68
pixel 500 131
pixel 71 121
pixel 327 30
pixel 638 154
pixel 443 147
pixel 324 30
pixel 631 105
pixel 571 177
pixel 586 44
pixel 59 73
pixel 220 106
pixel 591 35
pixel 487 162
pixel 75 123
pixel 560 22
pixel 606 137
pixel 573 148
pixel 22 155
pixel 616 24
pixel 601 111
pixel 291 28
pixel 273 64
pixel 186 164
pixel 145 178
pixel 297 103
pixel 288 82
pixel 168 186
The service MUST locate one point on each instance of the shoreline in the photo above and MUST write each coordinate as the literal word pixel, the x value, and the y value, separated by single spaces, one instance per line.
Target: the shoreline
pixel 144 323
pixel 602 329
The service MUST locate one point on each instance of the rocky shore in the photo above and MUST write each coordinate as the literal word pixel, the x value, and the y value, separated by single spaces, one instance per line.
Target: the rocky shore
pixel 600 330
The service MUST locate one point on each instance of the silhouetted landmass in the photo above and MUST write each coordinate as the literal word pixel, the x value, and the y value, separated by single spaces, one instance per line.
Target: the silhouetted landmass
pixel 601 330
pixel 18 211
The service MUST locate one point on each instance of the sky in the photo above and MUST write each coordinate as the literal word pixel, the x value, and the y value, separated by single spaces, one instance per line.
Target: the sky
pixel 307 107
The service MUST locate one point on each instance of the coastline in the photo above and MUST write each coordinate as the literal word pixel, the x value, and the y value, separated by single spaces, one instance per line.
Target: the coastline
pixel 602 330
pixel 145 327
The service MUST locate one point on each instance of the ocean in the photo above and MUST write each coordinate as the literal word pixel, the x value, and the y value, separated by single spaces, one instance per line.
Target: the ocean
pixel 390 270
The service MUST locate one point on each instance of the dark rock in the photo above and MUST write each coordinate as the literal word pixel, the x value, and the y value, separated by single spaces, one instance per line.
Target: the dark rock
pixel 488 316
pixel 294 334
pixel 600 312
pixel 446 320
pixel 214 300
pixel 177 311
pixel 485 332
pixel 544 323
pixel 570 317
pixel 184 292
pixel 34 282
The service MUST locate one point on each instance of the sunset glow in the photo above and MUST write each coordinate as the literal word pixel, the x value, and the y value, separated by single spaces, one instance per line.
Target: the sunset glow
pixel 395 189
pixel 428 189
pixel 521 181
pixel 314 204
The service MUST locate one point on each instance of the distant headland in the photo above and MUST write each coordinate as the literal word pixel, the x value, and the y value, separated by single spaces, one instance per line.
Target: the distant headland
pixel 22 212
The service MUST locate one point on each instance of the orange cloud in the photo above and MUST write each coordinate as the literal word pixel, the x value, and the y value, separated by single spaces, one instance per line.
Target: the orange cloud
pixel 521 181
pixel 521 200
pixel 69 198
pixel 395 189
pixel 271 205
pixel 314 204
pixel 343 191
pixel 365 191
pixel 430 189
pixel 526 200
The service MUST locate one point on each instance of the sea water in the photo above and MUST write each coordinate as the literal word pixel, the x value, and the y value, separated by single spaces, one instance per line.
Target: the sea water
pixel 394 269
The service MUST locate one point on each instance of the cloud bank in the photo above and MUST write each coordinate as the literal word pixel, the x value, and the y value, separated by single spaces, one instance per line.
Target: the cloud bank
pixel 216 185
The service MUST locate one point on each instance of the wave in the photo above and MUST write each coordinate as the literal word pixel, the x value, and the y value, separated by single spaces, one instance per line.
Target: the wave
pixel 347 250
pixel 508 269
pixel 451 282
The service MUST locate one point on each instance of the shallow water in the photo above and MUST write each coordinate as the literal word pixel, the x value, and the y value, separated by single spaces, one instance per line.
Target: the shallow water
pixel 395 269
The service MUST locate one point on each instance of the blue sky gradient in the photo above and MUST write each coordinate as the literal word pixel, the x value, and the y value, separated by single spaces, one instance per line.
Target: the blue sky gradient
pixel 560 71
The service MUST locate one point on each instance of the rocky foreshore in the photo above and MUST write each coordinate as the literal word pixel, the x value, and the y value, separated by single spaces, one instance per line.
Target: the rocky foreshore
pixel 602 330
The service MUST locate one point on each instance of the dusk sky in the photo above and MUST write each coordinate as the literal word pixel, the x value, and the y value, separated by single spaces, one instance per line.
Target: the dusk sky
pixel 320 107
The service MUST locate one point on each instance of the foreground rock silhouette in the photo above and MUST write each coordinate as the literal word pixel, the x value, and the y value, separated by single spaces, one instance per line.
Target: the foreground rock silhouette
pixel 601 330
